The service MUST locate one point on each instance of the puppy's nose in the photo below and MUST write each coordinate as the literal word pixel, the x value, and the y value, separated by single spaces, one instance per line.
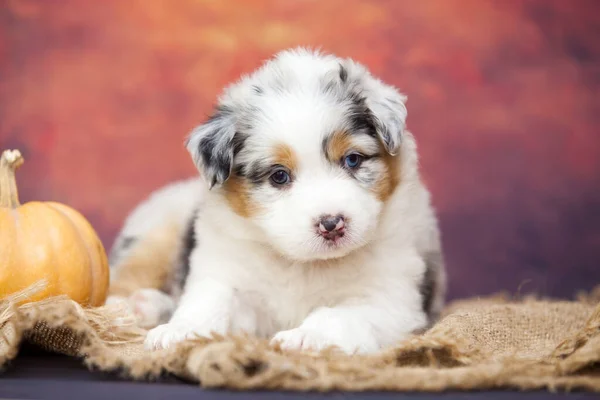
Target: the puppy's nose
pixel 330 223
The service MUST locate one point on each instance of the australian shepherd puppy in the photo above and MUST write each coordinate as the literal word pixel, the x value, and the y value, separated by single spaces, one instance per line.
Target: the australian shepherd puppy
pixel 309 226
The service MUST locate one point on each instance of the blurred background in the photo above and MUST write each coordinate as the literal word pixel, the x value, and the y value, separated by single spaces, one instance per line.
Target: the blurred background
pixel 503 98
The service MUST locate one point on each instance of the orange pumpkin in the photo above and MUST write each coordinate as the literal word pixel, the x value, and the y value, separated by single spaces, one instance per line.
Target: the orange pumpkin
pixel 47 240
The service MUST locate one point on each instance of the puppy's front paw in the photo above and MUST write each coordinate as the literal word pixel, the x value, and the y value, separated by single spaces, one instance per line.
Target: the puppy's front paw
pixel 311 339
pixel 167 335
pixel 328 327
pixel 302 339
pixel 180 329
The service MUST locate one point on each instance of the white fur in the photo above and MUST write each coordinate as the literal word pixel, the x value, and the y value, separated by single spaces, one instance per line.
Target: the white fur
pixel 175 202
pixel 270 274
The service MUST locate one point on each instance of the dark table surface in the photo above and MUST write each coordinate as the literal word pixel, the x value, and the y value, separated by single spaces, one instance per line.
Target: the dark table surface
pixel 36 374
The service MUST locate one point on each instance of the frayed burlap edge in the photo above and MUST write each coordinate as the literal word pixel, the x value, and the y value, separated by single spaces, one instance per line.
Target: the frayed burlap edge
pixel 450 356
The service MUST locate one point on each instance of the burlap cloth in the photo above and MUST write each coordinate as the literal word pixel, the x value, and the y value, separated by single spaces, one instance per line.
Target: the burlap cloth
pixel 486 343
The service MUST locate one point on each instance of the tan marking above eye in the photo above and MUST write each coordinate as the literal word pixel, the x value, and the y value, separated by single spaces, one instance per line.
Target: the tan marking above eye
pixel 338 144
pixel 284 155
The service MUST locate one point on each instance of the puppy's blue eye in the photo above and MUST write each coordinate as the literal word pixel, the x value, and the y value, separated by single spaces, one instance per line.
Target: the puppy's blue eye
pixel 353 160
pixel 280 177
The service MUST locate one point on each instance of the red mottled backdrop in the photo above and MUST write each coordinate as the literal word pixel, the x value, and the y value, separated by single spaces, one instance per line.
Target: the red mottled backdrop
pixel 503 99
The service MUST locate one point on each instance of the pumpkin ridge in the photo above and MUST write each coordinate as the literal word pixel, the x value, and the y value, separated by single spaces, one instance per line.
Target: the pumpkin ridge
pixel 82 240
pixel 99 268
pixel 29 217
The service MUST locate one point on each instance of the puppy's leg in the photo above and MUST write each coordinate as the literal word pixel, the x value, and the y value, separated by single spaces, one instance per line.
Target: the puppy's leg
pixel 353 329
pixel 141 271
pixel 387 315
pixel 149 263
pixel 206 306
pixel 146 252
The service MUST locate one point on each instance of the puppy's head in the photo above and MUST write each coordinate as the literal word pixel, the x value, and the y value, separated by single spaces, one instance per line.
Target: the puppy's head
pixel 305 148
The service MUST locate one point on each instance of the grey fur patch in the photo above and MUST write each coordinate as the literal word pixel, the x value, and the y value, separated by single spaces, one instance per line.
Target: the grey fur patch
pixel 388 116
pixel 377 114
pixel 211 145
pixel 429 287
pixel 122 244
pixel 182 269
pixel 258 90
pixel 343 73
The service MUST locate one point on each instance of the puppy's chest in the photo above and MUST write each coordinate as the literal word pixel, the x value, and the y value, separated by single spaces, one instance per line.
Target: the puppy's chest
pixel 282 301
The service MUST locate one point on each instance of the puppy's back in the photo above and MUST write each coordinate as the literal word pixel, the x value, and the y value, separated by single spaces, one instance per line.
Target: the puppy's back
pixel 146 252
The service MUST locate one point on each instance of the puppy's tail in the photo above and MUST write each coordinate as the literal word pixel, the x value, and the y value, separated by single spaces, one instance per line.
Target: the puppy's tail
pixel 149 261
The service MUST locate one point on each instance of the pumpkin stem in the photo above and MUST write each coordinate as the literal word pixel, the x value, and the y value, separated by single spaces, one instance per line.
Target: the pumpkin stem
pixel 9 162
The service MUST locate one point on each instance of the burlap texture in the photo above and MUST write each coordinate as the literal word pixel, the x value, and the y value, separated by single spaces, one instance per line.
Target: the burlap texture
pixel 478 344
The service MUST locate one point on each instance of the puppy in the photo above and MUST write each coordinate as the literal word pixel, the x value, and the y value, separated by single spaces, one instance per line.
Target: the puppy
pixel 310 225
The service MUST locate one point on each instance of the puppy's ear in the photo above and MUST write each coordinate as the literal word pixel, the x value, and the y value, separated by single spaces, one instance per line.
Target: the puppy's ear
pixel 212 146
pixel 389 109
